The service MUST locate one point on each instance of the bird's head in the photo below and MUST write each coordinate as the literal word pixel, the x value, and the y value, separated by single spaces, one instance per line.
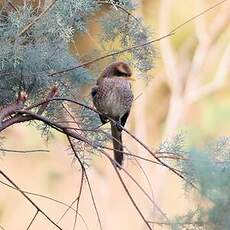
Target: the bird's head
pixel 118 69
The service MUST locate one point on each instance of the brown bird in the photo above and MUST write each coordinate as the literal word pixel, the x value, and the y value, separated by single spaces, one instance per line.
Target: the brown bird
pixel 112 97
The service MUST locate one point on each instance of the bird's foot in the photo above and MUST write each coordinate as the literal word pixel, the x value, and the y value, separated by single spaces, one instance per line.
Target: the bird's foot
pixel 118 125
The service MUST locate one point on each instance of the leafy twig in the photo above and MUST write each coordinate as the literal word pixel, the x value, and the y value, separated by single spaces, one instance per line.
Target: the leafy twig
pixel 28 26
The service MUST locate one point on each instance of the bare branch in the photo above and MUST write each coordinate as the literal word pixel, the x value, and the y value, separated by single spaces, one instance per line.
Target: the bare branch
pixel 168 54
pixel 10 109
pixel 201 27
pixel 51 199
pixel 73 134
pixel 53 93
pixel 155 156
pixel 154 205
pixel 218 81
pixel 78 198
pixel 172 32
pixel 42 196
pixel 24 151
pixel 119 7
pixel 198 15
pixel 146 194
pixel 23 194
pixel 87 179
pixel 31 222
pixel 106 56
pixel 202 50
pixel 12 5
pixel 128 193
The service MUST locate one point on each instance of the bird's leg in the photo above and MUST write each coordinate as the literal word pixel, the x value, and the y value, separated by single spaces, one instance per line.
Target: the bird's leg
pixel 118 125
pixel 99 126
pixel 103 118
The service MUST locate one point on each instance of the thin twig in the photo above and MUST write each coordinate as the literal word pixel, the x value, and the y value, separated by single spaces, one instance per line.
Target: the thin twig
pixel 10 109
pixel 155 205
pixel 31 222
pixel 78 200
pixel 79 137
pixel 115 164
pixel 12 6
pixel 48 198
pixel 198 15
pixel 87 141
pixel 172 32
pixel 119 7
pixel 108 55
pixel 24 151
pixel 87 179
pixel 128 193
pixel 146 194
pixel 23 194
pixel 73 202
pixel 53 93
pixel 130 134
pixel 28 26
pixel 156 157
pixel 38 195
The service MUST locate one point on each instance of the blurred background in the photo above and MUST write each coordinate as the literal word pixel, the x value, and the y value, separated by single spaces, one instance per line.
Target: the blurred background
pixel 186 92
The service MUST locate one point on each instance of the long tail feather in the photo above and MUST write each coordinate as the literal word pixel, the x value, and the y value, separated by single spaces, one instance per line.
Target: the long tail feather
pixel 117 144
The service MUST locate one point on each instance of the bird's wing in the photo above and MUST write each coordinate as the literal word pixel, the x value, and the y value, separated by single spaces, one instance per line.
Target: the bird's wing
pixel 93 94
pixel 94 91
pixel 124 118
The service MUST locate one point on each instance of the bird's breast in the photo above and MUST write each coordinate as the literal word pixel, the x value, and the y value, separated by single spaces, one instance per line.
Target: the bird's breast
pixel 114 97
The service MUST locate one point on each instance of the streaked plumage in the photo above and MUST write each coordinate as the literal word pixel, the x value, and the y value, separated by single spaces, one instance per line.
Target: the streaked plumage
pixel 112 97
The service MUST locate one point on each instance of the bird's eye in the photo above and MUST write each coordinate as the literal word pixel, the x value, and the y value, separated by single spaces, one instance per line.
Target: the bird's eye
pixel 120 74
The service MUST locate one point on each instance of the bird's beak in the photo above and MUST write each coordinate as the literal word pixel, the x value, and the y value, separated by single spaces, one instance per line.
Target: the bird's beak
pixel 132 79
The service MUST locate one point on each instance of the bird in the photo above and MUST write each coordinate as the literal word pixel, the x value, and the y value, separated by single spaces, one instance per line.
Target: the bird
pixel 112 97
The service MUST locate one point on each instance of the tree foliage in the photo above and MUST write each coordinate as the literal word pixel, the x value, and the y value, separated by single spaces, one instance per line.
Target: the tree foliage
pixel 34 45
pixel 209 170
pixel 35 61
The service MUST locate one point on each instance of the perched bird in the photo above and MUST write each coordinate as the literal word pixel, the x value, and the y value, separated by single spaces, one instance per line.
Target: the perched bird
pixel 112 97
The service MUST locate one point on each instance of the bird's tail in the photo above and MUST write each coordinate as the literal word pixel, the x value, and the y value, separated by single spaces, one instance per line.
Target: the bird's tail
pixel 117 144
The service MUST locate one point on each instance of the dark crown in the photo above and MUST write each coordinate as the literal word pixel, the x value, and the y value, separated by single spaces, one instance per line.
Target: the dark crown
pixel 119 69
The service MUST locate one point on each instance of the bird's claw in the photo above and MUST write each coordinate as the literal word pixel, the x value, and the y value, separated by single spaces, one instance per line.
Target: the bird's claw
pixel 118 125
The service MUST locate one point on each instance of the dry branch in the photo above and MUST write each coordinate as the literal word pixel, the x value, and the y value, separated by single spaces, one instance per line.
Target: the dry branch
pixel 10 109
pixel 29 199
pixel 23 151
pixel 15 113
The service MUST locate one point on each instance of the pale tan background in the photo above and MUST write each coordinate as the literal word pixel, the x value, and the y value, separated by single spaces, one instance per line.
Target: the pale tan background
pixel 187 90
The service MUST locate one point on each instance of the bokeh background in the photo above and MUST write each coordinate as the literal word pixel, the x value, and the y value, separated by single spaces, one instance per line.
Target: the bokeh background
pixel 187 91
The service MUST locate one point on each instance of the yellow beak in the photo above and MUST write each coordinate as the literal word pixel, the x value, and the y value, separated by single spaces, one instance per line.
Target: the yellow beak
pixel 132 79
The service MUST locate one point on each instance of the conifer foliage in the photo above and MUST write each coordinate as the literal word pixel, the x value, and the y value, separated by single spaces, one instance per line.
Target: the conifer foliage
pixel 35 44
pixel 36 66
